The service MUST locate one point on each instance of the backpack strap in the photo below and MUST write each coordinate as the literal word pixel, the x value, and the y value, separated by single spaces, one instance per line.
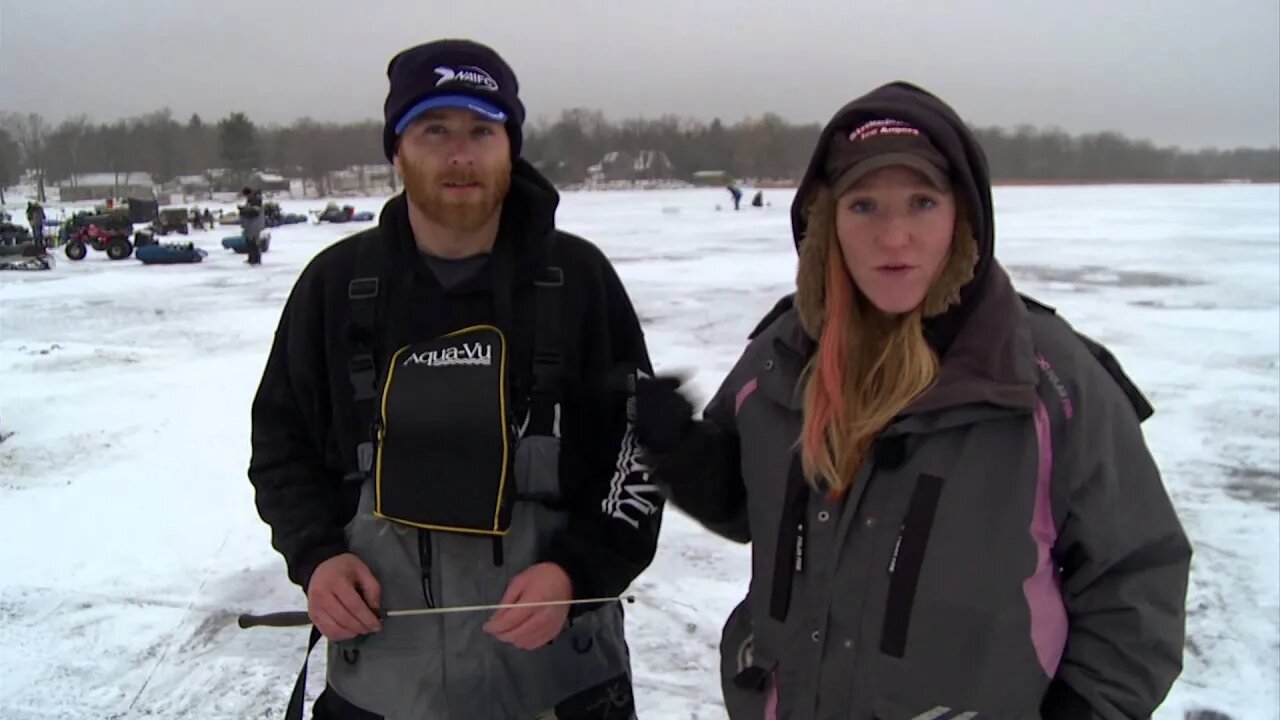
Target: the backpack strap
pixel 547 391
pixel 1059 408
pixel 365 292
pixel 294 710
pixel 350 653
pixel 779 309
pixel 1141 406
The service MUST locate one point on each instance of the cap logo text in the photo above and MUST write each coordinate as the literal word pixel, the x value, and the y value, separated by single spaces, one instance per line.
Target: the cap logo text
pixel 866 131
pixel 469 74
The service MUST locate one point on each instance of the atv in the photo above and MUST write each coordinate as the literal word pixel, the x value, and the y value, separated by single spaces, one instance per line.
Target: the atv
pixel 115 241
pixel 113 220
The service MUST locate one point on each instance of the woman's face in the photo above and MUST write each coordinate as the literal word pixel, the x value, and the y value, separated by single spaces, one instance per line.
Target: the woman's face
pixel 895 230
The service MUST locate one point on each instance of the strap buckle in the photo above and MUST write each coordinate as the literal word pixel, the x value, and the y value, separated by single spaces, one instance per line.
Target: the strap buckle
pixel 364 456
pixel 552 276
pixel 362 288
pixel 546 356
pixel 360 363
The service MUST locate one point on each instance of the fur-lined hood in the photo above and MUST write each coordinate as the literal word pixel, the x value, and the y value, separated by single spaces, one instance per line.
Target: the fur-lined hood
pixel 967 274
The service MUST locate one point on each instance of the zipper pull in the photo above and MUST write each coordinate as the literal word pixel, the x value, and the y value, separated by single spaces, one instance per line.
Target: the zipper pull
pixel 893 562
pixel 799 554
pixel 425 561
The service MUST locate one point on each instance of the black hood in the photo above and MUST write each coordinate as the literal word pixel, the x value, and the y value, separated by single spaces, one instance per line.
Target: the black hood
pixel 531 202
pixel 528 216
pixel 527 223
pixel 969 175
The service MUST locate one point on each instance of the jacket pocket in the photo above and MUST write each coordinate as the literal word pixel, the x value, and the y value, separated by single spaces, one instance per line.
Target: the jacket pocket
pixel 583 674
pixel 539 511
pixel 332 706
pixel 386 674
pixel 744 677
pixel 609 700
pixel 908 559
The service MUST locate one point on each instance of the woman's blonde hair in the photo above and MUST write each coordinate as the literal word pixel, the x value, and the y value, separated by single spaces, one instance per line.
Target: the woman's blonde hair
pixel 869 366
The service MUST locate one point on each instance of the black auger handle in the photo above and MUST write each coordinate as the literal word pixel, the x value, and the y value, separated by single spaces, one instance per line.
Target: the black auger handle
pixel 291 618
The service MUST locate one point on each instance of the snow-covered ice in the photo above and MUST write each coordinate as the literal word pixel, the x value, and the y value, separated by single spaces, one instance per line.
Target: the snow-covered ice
pixel 129 539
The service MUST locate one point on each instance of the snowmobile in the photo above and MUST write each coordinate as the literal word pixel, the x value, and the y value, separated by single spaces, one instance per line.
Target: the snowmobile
pixel 334 214
pixel 25 256
pixel 13 234
pixel 347 213
pixel 276 216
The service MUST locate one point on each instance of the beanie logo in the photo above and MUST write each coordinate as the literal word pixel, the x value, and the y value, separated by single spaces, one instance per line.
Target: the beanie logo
pixel 469 74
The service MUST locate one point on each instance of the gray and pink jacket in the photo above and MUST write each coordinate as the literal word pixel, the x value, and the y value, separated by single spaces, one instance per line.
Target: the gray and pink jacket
pixel 1008 549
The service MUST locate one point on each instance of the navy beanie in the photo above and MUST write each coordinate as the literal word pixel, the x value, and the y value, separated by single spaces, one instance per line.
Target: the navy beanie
pixel 451 68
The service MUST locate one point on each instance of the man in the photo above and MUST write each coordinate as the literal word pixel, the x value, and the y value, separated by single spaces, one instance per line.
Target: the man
pixel 35 218
pixel 252 220
pixel 438 427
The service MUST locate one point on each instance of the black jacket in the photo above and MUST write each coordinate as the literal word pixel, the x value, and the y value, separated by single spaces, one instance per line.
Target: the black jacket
pixel 305 427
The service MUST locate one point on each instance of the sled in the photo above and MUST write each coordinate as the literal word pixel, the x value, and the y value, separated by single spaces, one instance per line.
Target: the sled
pixel 170 254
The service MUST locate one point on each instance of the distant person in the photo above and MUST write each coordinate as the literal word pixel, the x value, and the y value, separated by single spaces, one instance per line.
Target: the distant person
pixel 252 221
pixel 271 214
pixel 444 421
pixel 208 218
pixel 35 218
pixel 757 200
pixel 737 196
pixel 951 507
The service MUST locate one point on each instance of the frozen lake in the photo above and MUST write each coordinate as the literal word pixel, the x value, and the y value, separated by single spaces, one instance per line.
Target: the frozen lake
pixel 131 540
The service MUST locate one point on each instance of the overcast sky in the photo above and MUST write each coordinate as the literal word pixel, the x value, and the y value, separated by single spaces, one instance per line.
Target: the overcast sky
pixel 1196 73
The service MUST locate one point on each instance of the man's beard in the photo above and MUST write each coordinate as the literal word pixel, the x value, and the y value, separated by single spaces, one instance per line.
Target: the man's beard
pixel 425 189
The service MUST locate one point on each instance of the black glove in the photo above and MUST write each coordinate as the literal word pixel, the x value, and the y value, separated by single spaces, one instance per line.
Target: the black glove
pixel 695 463
pixel 664 416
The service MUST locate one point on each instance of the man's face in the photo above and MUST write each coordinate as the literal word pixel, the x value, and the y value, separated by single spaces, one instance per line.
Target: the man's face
pixel 456 167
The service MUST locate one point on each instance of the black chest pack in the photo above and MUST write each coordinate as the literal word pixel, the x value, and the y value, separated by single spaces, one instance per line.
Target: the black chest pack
pixel 443 414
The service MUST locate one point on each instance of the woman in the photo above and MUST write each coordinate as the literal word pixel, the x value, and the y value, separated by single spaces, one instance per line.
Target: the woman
pixel 952 509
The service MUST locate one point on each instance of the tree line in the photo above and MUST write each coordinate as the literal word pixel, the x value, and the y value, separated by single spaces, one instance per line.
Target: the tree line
pixel 766 147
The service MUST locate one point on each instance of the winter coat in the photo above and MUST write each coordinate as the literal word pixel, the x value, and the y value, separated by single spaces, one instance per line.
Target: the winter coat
pixel 591 509
pixel 252 220
pixel 1007 549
